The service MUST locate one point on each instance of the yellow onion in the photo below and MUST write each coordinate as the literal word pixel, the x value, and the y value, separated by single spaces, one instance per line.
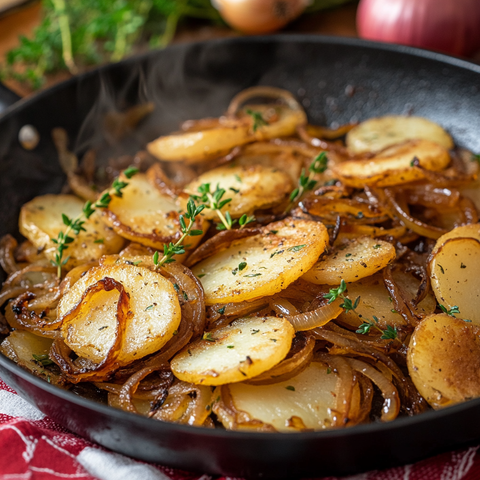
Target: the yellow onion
pixel 259 16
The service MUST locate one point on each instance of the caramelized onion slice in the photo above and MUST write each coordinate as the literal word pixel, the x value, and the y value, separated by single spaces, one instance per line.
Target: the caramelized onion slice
pixel 316 318
pixel 84 371
pixel 391 402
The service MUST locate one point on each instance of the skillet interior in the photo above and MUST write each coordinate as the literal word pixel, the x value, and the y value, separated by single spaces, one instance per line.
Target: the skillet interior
pixel 197 80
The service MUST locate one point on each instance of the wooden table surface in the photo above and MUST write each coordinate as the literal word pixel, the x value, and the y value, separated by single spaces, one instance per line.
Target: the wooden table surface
pixel 338 21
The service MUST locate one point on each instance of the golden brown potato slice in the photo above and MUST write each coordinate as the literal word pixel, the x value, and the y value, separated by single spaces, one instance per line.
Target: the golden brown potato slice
pixel 306 401
pixel 153 303
pixel 146 216
pixel 444 360
pixel 454 269
pixel 41 220
pixel 250 188
pixel 375 300
pixel 262 264
pixel 244 349
pixel 379 133
pixel 358 259
pixel 394 166
pixel 288 159
pixel 197 146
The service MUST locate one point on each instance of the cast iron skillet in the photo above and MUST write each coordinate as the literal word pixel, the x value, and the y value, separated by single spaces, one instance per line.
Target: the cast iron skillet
pixel 337 80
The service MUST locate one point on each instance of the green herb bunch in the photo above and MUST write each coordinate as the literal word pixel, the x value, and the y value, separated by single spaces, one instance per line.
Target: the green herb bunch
pixel 76 225
pixel 308 183
pixel 215 201
pixel 390 333
pixel 170 250
pixel 78 33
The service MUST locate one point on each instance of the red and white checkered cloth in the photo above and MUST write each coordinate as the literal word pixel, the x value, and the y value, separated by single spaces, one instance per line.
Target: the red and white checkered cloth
pixel 32 446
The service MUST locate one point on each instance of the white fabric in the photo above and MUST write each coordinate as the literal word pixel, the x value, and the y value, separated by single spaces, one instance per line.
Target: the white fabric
pixel 113 466
pixel 14 406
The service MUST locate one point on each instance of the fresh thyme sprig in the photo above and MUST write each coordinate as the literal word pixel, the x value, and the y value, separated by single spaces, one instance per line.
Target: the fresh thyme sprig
pixel 258 120
pixel 348 305
pixel 213 201
pixel 307 183
pixel 170 250
pixel 76 225
pixel 450 311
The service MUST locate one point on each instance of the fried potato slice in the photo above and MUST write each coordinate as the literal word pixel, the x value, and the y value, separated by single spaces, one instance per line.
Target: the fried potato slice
pixel 306 401
pixel 263 264
pixel 465 231
pixel 197 146
pixel 375 300
pixel 153 303
pixel 250 188
pixel 287 158
pixel 41 220
pixel 444 360
pixel 379 133
pixel 358 259
pixel 242 350
pixel 454 268
pixel 145 215
pixel 394 166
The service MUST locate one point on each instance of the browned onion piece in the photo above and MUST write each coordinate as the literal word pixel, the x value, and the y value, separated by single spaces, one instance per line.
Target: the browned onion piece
pixel 87 370
pixel 11 292
pixel 261 91
pixel 281 306
pixel 186 403
pixel 399 298
pixel 316 318
pixel 346 207
pixel 401 208
pixel 468 211
pixel 391 403
pixel 412 401
pixel 190 294
pixel 431 196
pixel 296 361
pixel 157 177
pixel 306 136
pixel 234 309
pixel 7 254
pixel 219 242
pixel 20 316
pixel 20 278
pixel 345 390
pixel 330 133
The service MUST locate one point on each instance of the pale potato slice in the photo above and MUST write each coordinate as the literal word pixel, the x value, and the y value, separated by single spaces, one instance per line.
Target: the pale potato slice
pixel 41 220
pixel 466 231
pixel 197 146
pixel 250 188
pixel 358 259
pixel 379 133
pixel 262 264
pixel 153 302
pixel 21 346
pixel 244 349
pixel 394 165
pixel 306 401
pixel 454 269
pixel 144 215
pixel 375 300
pixel 444 360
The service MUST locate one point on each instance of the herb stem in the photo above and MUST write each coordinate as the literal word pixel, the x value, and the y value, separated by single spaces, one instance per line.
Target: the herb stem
pixel 219 213
pixel 64 25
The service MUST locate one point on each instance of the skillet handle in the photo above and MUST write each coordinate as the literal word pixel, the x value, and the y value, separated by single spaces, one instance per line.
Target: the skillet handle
pixel 7 98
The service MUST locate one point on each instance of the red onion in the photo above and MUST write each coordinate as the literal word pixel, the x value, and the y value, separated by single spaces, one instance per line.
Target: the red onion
pixel 450 26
